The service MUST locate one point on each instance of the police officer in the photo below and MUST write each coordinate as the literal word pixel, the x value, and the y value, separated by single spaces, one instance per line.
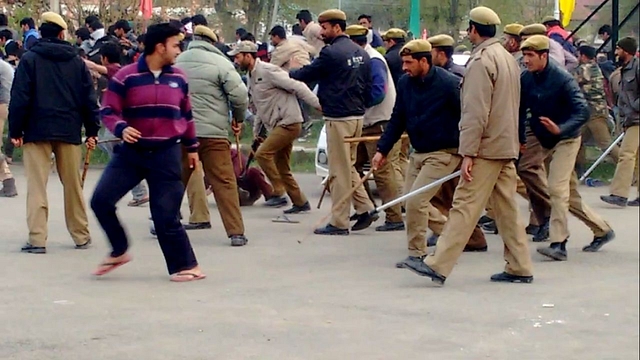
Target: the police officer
pixel 394 39
pixel 556 51
pixel 489 146
pixel 376 118
pixel 442 51
pixel 344 80
pixel 556 110
pixel 511 41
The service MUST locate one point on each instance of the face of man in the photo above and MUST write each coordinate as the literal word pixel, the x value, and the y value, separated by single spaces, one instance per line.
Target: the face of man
pixel 583 59
pixel 510 43
pixel 414 67
pixel 243 61
pixel 387 44
pixel 3 41
pixel 439 57
pixel 604 36
pixel 119 32
pixel 303 25
pixel 365 22
pixel 329 32
pixel 472 34
pixel 622 55
pixel 170 50
pixel 24 28
pixel 275 40
pixel 533 61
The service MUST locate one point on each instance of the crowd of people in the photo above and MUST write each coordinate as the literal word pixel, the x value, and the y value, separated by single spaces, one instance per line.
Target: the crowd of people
pixel 162 105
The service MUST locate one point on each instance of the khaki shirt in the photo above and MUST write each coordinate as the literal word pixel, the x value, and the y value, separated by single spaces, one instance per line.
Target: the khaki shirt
pixel 490 104
pixel 289 49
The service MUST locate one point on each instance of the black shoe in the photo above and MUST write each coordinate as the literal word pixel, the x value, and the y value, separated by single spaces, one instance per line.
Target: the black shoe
pixel 599 242
pixel 418 266
pixel 9 188
pixel 468 248
pixel 364 221
pixel 391 226
pixel 543 233
pixel 532 229
pixel 295 209
pixel 238 240
pixel 556 251
pixel 635 202
pixel 84 246
pixel 506 277
pixel 614 200
pixel 400 264
pixel 197 226
pixel 331 230
pixel 28 248
pixel 276 201
pixel 354 217
pixel 490 227
pixel 432 240
pixel 403 210
pixel 484 219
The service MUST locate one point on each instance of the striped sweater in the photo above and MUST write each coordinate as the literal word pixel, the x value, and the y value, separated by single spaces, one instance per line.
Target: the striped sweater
pixel 159 108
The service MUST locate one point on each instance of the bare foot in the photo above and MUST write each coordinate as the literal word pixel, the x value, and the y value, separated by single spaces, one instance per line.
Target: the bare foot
pixel 188 275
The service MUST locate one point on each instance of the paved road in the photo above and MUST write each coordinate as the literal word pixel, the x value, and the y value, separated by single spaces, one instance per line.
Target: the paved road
pixel 292 296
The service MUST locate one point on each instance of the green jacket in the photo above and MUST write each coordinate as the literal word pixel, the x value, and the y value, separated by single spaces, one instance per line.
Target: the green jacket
pixel 215 87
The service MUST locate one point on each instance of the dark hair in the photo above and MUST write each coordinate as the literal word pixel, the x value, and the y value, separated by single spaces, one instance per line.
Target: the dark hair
pixel 112 52
pixel 588 51
pixel 341 23
pixel 278 31
pixel 199 19
pixel 176 24
pixel 96 25
pixel 447 50
pixel 305 16
pixel 6 34
pixel 122 24
pixel 241 32
pixel 360 40
pixel 83 33
pixel 605 29
pixel 4 21
pixel 12 48
pixel 50 30
pixel 425 55
pixel 90 19
pixel 140 39
pixel 365 16
pixel 158 34
pixel 29 22
pixel 296 29
pixel 111 30
pixel 554 22
pixel 248 37
pixel 186 20
pixel 487 31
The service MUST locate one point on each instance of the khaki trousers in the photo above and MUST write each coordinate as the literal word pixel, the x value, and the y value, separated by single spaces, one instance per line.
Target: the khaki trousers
pixel 342 158
pixel 385 176
pixel 197 196
pixel 274 156
pixel 495 179
pixel 424 168
pixel 215 155
pixel 37 164
pixel 598 129
pixel 5 173
pixel 629 159
pixel 521 190
pixel 400 161
pixel 532 172
pixel 563 190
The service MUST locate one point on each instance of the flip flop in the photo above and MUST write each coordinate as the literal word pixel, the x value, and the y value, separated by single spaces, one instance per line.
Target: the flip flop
pixel 186 276
pixel 107 267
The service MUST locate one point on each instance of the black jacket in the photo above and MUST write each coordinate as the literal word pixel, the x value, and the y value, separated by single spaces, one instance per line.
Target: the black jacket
pixel 454 68
pixel 52 95
pixel 344 78
pixel 555 94
pixel 394 61
pixel 428 110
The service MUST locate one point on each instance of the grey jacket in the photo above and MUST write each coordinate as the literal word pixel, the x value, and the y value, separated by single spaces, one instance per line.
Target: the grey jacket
pixel 6 79
pixel 629 99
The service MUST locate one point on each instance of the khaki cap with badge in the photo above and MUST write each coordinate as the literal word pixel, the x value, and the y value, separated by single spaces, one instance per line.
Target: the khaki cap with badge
pixel 513 29
pixel 536 43
pixel 417 46
pixel 356 30
pixel 53 18
pixel 548 19
pixel 204 31
pixel 441 40
pixel 332 15
pixel 244 47
pixel 394 33
pixel 533 29
pixel 482 15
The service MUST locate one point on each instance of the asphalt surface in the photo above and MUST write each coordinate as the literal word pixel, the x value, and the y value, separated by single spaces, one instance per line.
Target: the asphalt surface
pixel 293 295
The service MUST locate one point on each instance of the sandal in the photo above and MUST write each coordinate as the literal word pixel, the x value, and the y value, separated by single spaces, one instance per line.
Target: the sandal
pixel 107 267
pixel 186 276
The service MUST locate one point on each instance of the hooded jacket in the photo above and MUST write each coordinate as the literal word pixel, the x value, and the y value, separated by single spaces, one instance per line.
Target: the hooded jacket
pixel 52 96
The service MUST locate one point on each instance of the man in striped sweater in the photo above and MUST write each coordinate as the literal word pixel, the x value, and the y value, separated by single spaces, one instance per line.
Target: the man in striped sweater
pixel 147 105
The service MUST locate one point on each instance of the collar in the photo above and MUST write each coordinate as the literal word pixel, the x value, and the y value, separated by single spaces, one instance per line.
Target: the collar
pixel 98 34
pixel 255 66
pixel 541 75
pixel 341 36
pixel 485 44
pixel 629 65
pixel 427 79
pixel 143 67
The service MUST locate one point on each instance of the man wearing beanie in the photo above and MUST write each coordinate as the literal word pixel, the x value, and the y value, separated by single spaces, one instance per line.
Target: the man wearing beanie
pixel 47 116
pixel 629 105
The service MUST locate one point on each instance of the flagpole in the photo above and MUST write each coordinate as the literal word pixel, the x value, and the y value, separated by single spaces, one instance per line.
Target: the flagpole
pixel 414 19
pixel 556 9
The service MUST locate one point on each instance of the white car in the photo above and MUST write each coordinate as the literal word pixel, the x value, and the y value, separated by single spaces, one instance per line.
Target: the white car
pixel 322 159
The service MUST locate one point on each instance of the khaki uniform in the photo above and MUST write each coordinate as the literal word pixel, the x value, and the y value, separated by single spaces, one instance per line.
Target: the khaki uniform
pixel 197 197
pixel 5 173
pixel 293 48
pixel 313 35
pixel 489 134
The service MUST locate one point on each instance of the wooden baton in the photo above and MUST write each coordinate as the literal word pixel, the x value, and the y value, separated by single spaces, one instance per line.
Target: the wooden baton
pixel 368 138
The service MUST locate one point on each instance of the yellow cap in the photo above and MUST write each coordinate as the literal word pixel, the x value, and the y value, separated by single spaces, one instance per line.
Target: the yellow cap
pixel 415 47
pixel 394 33
pixel 332 15
pixel 536 42
pixel 513 29
pixel 484 16
pixel 356 30
pixel 548 18
pixel 441 40
pixel 53 18
pixel 533 29
pixel 204 31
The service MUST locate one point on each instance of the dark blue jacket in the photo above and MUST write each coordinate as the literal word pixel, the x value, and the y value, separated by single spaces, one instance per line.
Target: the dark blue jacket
pixel 555 94
pixel 428 109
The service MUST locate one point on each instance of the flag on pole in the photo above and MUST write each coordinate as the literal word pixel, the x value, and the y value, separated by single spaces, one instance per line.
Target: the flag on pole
pixel 146 7
pixel 414 18
pixel 566 9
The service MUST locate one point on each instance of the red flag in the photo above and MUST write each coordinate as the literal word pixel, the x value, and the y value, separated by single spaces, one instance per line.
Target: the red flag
pixel 146 7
